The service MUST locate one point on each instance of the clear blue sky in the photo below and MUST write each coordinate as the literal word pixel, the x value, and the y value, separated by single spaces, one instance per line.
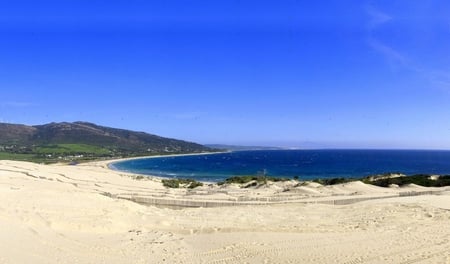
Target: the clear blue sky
pixel 364 74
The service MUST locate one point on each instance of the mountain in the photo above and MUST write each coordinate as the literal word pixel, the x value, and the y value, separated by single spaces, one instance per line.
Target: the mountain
pixel 87 139
pixel 15 133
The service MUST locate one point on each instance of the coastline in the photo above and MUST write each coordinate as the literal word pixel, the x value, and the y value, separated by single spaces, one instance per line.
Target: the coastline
pixel 110 163
pixel 305 164
pixel 64 214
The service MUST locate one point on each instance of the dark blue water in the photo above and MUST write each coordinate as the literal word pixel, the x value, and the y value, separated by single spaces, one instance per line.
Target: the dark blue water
pixel 306 164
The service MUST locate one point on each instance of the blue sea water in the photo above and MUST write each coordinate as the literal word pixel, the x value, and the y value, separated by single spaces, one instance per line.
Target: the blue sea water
pixel 305 164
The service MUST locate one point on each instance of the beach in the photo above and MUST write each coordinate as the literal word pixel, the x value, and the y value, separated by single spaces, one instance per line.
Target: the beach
pixel 89 213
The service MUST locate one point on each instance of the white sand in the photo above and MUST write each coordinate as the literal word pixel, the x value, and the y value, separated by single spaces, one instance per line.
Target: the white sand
pixel 71 214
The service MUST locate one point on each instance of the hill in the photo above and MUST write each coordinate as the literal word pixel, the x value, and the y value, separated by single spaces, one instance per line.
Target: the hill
pixel 83 140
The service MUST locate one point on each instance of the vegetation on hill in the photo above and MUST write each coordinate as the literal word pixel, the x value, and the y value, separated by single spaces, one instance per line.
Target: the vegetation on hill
pixel 247 181
pixel 177 183
pixel 385 181
pixel 84 141
pixel 420 179
pixel 73 149
pixel 333 181
pixel 249 178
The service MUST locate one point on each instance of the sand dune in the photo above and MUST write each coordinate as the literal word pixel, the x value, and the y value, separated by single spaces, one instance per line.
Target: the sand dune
pixel 76 214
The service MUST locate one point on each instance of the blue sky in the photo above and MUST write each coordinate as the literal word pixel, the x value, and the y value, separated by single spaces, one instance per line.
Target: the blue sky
pixel 313 74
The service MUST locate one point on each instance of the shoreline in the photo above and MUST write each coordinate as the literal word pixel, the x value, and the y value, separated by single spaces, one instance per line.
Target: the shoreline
pixel 110 163
pixel 322 180
pixel 305 172
pixel 65 214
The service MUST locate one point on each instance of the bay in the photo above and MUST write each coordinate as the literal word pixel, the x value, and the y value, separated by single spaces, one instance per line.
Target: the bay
pixel 304 164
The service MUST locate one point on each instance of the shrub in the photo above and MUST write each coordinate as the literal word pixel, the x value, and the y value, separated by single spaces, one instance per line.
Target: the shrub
pixel 194 184
pixel 171 183
pixel 175 183
pixel 248 178
pixel 419 179
pixel 333 181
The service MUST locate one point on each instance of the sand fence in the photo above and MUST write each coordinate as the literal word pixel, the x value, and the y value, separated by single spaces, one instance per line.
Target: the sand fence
pixel 186 201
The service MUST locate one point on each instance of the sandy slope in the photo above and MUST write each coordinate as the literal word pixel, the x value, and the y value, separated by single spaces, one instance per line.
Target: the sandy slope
pixel 68 214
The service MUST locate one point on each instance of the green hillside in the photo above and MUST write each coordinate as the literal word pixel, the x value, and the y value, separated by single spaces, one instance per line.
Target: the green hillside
pixel 84 141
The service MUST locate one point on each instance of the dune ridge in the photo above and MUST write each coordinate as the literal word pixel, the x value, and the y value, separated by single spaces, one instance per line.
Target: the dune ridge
pixel 80 214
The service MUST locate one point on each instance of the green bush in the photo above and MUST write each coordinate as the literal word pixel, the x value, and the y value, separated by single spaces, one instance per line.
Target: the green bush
pixel 175 183
pixel 195 184
pixel 248 178
pixel 419 179
pixel 334 181
pixel 171 183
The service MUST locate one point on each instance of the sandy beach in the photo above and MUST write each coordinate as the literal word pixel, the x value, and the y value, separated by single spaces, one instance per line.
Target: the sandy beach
pixel 87 214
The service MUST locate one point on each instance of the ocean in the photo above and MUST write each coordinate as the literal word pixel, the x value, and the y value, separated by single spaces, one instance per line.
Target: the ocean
pixel 304 164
